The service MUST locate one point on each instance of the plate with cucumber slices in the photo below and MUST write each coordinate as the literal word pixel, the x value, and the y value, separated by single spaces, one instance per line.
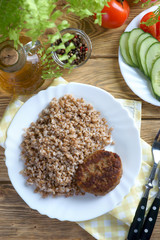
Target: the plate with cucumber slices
pixel 139 61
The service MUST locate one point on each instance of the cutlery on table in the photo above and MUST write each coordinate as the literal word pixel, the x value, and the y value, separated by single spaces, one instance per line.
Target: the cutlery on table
pixel 151 217
pixel 136 225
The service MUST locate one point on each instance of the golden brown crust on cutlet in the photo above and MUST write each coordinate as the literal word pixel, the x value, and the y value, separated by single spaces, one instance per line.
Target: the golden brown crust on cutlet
pixel 99 173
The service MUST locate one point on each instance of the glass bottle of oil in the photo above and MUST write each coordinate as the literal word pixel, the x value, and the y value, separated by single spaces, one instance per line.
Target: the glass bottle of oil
pixel 20 69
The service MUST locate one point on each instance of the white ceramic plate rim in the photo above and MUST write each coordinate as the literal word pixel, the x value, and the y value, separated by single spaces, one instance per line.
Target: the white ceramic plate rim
pixel 77 208
pixel 134 78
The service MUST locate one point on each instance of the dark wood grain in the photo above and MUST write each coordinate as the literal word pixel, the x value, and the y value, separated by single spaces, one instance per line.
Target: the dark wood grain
pixel 105 41
pixel 103 73
pixel 18 221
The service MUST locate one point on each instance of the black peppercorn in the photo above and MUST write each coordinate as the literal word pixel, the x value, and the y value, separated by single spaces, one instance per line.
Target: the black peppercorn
pixel 80 50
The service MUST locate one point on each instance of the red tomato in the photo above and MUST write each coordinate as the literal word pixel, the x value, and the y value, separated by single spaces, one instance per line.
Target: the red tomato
pixel 154 30
pixel 116 14
pixel 158 30
pixel 145 28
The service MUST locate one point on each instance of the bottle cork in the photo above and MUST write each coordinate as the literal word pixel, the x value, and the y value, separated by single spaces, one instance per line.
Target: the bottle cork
pixel 8 56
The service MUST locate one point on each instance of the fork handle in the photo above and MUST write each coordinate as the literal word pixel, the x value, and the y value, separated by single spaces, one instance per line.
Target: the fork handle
pixel 150 220
pixel 136 225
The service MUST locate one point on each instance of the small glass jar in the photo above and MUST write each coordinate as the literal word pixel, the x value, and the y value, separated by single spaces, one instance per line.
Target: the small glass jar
pixel 20 69
pixel 84 37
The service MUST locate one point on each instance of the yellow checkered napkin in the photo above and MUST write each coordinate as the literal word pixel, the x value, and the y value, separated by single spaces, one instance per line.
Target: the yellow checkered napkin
pixel 115 224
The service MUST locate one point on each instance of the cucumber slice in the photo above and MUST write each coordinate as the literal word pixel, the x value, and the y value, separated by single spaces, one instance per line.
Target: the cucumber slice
pixel 138 43
pixel 124 48
pixel 132 40
pixel 152 54
pixel 155 78
pixel 146 43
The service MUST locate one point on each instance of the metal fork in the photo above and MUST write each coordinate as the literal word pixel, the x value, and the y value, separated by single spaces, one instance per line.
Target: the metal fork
pixel 136 226
pixel 151 217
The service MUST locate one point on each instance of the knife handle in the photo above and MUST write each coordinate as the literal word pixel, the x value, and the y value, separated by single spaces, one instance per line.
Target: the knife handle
pixel 136 225
pixel 150 220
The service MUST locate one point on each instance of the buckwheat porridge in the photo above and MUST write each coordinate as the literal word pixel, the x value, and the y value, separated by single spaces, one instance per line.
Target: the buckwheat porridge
pixel 65 133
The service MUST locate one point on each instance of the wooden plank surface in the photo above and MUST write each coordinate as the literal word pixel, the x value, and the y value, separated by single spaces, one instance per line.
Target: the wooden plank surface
pixel 105 41
pixel 17 220
pixel 105 73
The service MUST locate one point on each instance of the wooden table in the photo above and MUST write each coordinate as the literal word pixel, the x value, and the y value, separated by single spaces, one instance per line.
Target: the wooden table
pixel 17 220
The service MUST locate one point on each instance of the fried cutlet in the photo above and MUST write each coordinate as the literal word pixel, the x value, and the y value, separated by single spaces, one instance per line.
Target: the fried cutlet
pixel 99 173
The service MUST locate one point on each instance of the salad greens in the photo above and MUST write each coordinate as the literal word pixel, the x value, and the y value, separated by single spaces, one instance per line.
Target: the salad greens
pixel 35 16
pixel 154 19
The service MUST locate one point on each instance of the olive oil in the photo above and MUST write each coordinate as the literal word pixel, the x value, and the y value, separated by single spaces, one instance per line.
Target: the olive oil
pixel 20 69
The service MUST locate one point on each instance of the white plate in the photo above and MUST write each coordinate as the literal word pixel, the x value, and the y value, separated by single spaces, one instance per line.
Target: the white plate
pixel 127 145
pixel 134 78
